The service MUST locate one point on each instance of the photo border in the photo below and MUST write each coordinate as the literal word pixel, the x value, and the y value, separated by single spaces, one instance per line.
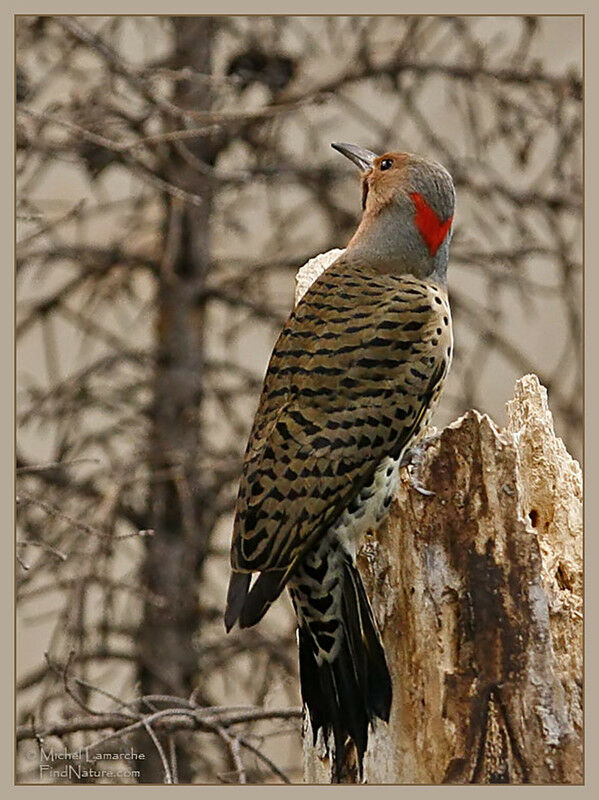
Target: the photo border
pixel 591 293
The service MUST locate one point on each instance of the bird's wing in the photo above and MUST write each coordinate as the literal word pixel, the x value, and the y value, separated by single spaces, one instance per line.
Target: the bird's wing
pixel 351 378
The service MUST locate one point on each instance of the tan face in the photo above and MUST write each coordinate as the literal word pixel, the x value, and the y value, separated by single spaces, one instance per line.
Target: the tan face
pixel 407 181
pixel 388 174
pixel 419 195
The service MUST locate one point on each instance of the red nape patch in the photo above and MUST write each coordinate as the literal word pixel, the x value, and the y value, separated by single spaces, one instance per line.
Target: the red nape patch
pixel 432 230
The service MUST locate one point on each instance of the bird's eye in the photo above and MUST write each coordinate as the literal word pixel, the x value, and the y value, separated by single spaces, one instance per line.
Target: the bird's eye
pixel 386 163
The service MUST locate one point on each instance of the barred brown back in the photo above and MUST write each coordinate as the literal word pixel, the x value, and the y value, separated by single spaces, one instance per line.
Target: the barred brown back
pixel 352 378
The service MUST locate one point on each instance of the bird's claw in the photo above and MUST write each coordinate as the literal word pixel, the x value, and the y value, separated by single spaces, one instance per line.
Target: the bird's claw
pixel 412 460
pixel 420 489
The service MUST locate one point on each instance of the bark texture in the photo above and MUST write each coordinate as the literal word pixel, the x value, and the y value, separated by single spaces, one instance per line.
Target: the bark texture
pixel 477 591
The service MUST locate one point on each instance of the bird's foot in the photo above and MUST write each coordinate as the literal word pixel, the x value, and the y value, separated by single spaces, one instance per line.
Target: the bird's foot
pixel 419 488
pixel 412 460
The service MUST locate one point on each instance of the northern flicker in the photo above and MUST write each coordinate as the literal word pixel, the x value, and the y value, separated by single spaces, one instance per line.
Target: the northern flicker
pixel 350 388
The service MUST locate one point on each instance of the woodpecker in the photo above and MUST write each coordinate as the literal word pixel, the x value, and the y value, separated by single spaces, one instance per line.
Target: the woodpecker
pixel 350 388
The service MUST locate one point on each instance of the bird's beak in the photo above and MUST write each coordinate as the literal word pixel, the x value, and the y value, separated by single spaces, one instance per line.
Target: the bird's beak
pixel 362 157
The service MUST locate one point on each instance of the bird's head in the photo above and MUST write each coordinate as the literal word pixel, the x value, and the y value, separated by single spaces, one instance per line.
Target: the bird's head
pixel 408 205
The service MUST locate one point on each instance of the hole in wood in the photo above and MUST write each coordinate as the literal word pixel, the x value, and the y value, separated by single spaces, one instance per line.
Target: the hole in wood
pixel 562 578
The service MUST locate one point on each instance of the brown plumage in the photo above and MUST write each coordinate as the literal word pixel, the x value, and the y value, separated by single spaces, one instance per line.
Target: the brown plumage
pixel 350 387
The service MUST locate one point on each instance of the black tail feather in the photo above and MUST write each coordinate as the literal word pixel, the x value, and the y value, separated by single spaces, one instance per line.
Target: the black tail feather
pixel 344 696
pixel 267 587
pixel 239 585
pixel 380 691
pixel 250 605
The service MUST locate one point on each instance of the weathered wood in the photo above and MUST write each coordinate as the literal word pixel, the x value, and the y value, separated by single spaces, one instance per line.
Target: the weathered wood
pixel 477 590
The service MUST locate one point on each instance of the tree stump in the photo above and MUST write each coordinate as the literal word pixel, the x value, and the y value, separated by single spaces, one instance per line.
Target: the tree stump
pixel 477 591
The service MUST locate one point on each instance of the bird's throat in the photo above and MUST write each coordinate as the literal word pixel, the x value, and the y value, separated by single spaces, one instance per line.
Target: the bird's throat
pixel 402 240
